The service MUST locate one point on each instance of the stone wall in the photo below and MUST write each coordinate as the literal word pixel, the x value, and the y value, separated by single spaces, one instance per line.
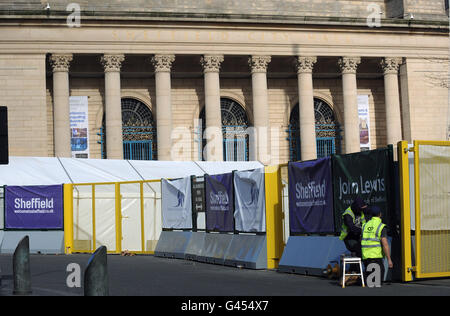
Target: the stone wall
pixel 22 90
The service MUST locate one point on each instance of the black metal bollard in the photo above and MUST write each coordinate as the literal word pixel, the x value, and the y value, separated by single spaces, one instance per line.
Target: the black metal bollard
pixel 96 274
pixel 21 268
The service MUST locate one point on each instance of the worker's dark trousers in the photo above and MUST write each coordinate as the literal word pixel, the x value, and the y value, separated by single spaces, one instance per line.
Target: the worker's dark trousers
pixel 353 246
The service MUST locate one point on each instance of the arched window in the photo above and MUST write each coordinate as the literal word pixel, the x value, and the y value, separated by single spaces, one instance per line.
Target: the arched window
pixel 138 131
pixel 234 129
pixel 327 131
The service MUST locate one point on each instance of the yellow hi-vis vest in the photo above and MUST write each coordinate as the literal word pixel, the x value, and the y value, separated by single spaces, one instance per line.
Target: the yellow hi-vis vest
pixel 371 239
pixel 344 228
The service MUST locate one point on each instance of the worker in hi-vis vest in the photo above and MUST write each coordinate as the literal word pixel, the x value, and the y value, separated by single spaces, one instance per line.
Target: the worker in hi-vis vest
pixel 352 221
pixel 374 243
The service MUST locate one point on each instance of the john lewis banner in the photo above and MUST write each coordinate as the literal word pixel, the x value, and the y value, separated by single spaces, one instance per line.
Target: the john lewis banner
pixel 310 196
pixel 219 202
pixel 34 207
pixel 367 174
pixel 176 203
pixel 250 201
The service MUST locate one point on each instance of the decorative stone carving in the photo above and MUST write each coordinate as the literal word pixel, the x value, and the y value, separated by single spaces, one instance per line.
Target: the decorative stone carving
pixel 61 62
pixel 112 62
pixel 305 64
pixel 163 63
pixel 391 65
pixel 259 63
pixel 349 64
pixel 211 63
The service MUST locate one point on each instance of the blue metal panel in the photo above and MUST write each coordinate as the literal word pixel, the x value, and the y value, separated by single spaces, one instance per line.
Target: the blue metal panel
pixel 172 244
pixel 249 251
pixel 310 254
pixel 45 242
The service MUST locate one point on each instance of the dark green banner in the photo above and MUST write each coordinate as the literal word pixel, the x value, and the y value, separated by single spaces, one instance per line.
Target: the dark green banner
pixel 368 174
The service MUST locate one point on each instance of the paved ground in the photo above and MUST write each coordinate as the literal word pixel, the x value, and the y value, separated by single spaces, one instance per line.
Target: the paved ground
pixel 153 276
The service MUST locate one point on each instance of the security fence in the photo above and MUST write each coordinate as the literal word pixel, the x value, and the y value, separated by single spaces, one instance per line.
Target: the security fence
pixel 425 201
pixel 123 216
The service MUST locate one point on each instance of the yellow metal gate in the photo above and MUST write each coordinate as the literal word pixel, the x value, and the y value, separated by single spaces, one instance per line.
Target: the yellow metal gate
pixel 123 216
pixel 425 203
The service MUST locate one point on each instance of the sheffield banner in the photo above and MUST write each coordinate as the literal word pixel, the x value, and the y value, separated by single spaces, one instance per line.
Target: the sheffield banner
pixel 311 196
pixel 250 201
pixel 219 202
pixel 367 174
pixel 79 126
pixel 176 203
pixel 34 207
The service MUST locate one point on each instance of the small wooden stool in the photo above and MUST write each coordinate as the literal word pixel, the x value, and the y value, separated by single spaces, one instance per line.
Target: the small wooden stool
pixel 348 260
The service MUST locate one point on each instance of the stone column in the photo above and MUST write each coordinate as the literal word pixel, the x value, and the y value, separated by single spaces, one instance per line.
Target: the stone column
pixel 163 64
pixel 348 67
pixel 61 108
pixel 307 120
pixel 113 107
pixel 213 114
pixel 259 148
pixel 392 100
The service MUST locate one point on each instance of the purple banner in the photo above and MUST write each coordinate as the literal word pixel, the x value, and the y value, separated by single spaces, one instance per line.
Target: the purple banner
pixel 311 196
pixel 219 202
pixel 34 207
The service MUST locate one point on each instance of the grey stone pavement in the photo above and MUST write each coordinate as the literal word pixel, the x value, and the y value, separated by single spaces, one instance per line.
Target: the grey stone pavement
pixel 147 275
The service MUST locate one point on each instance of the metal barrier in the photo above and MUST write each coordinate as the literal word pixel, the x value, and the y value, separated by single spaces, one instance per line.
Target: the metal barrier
pixel 123 216
pixel 429 216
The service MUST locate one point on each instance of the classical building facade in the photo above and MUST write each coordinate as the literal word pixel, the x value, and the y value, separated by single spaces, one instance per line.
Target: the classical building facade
pixel 273 81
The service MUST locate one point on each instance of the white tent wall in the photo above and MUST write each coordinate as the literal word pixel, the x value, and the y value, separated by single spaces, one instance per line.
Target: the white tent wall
pixel 25 171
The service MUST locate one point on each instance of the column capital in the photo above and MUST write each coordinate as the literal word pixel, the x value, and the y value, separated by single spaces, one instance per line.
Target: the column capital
pixel 112 62
pixel 61 62
pixel 305 64
pixel 349 64
pixel 259 63
pixel 211 63
pixel 163 62
pixel 391 65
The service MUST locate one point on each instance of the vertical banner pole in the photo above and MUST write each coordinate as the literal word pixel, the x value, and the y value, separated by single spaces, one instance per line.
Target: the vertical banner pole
pixel 94 238
pixel 403 163
pixel 274 219
pixel 68 218
pixel 141 190
pixel 118 218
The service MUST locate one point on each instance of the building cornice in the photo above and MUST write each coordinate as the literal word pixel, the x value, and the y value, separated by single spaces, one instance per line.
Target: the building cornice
pixel 142 17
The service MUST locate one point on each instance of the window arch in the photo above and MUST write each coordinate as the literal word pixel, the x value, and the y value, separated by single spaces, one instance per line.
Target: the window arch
pixel 136 113
pixel 327 131
pixel 234 130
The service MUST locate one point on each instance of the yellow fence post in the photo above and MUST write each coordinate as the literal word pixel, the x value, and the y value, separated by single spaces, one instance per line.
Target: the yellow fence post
pixel 68 218
pixel 274 219
pixel 403 161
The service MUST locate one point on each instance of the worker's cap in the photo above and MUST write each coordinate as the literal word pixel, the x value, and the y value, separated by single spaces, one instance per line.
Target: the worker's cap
pixel 374 210
pixel 359 203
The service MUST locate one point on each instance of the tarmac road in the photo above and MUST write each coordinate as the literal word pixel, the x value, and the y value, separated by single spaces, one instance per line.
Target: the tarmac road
pixel 147 275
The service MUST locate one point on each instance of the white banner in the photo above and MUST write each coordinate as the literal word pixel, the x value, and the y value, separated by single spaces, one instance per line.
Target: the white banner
pixel 364 122
pixel 250 201
pixel 176 203
pixel 79 126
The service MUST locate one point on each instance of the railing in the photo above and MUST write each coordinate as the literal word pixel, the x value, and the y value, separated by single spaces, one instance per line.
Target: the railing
pixel 327 141
pixel 235 143
pixel 139 142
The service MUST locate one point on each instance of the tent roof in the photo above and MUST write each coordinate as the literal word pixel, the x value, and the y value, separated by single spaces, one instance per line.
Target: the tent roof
pixel 49 170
